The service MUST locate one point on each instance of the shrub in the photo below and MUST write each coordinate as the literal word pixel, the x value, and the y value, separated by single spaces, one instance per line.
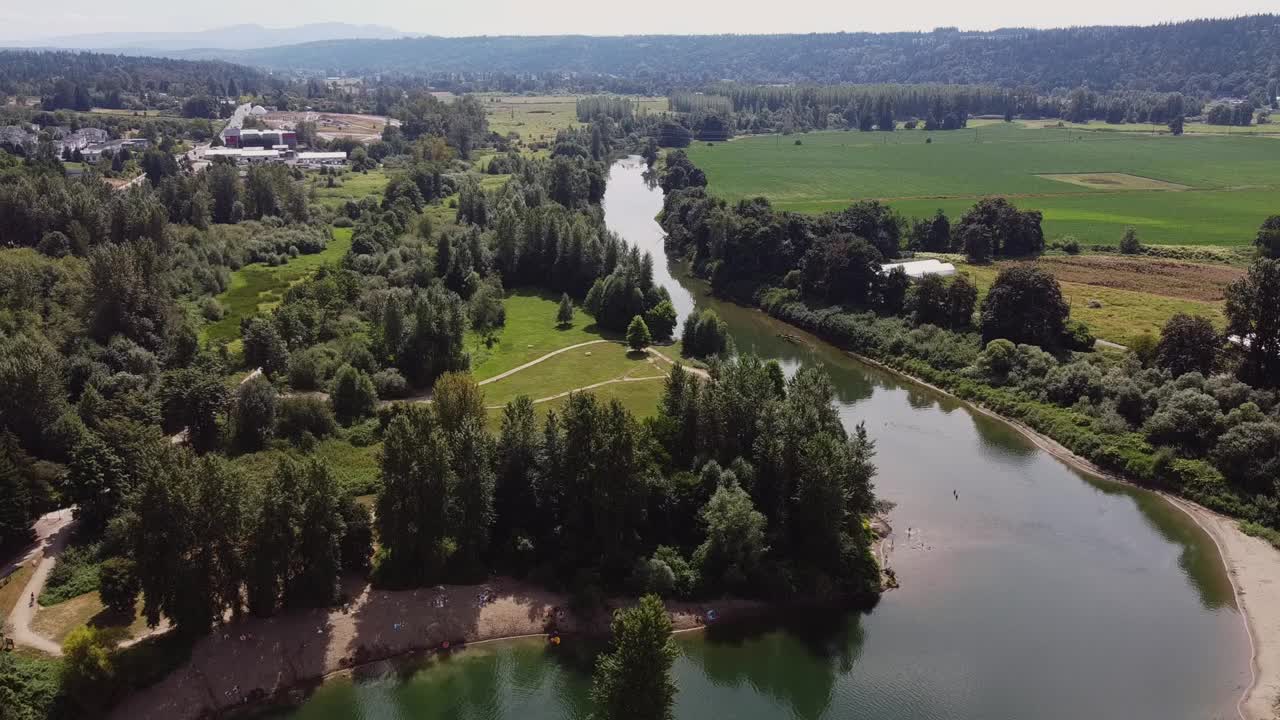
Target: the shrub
pixel 1129 243
pixel 343 221
pixel 1070 245
pixel 309 369
pixel 212 310
pixel 390 384
pixel 298 415
pixel 353 395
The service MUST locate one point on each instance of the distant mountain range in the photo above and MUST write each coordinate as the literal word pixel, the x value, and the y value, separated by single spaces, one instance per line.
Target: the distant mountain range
pixel 234 37
pixel 1203 57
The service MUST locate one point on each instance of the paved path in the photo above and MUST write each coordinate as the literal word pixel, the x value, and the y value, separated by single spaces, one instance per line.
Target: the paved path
pixel 52 531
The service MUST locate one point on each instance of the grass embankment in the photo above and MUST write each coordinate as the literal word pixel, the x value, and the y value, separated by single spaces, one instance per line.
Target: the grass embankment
pixel 1121 299
pixel 258 287
pixel 1232 179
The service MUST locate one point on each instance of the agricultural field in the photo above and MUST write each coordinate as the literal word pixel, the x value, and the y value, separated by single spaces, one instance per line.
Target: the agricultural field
pixel 1204 190
pixel 1123 298
pixel 537 118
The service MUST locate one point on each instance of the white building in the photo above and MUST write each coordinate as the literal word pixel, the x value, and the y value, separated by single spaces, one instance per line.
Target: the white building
pixel 318 159
pixel 917 269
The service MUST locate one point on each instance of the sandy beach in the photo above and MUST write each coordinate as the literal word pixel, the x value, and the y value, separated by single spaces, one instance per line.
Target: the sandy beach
pixel 255 658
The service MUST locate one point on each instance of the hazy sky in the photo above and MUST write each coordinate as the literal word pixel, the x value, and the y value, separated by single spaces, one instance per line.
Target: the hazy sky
pixel 544 17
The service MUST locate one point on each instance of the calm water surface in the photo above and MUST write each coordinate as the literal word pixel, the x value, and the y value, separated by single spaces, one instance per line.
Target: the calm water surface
pixel 1041 593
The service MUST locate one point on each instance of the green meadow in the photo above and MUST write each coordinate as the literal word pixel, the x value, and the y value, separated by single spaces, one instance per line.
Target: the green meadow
pixel 259 287
pixel 1231 181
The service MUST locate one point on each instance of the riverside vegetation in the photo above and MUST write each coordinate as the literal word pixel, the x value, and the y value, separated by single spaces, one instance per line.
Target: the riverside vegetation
pixel 1191 412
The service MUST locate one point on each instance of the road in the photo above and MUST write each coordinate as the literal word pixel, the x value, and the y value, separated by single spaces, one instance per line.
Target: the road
pixel 52 532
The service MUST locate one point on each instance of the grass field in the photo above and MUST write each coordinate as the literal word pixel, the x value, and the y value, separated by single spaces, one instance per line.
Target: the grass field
pixel 256 288
pixel 356 468
pixel 640 398
pixel 1233 180
pixel 530 333
pixel 57 622
pixel 354 186
pixel 1130 301
pixel 570 370
pixel 537 118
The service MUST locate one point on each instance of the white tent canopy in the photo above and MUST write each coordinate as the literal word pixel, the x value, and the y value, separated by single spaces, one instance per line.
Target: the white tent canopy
pixel 917 269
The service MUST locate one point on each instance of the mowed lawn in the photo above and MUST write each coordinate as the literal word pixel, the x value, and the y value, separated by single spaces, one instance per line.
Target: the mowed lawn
pixel 1233 180
pixel 577 368
pixel 530 332
pixel 640 398
pixel 259 287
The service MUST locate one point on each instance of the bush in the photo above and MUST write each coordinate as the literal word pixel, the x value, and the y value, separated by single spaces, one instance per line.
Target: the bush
pixel 353 395
pixel 343 221
pixel 75 574
pixel 1069 245
pixel 310 369
pixel 1129 243
pixel 298 415
pixel 212 310
pixel 118 585
pixel 390 384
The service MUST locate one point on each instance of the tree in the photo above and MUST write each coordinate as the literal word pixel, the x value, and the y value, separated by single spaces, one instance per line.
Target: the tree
pixel 962 299
pixel 932 234
pixel 638 337
pixel 735 542
pixel 661 320
pixel 993 227
pixel 1268 239
pixel 633 682
pixel 1175 125
pixel 472 499
pixel 564 315
pixel 1188 343
pixel 89 667
pixel 457 401
pixel 263 347
pixel 192 399
pixel 704 334
pixel 118 585
pixel 255 413
pixel 487 311
pixel 1025 305
pixel 97 481
pixel 353 395
pixel 1252 318
pixel 515 500
pixel 16 509
pixel 413 505
pixel 1129 243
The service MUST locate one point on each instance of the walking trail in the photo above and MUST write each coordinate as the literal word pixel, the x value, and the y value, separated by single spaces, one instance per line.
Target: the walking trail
pixel 52 532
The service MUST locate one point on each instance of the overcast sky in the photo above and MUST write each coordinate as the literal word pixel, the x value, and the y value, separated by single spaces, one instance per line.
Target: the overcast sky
pixel 32 20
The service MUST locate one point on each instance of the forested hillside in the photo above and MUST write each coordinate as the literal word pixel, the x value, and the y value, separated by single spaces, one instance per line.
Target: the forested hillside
pixel 1202 57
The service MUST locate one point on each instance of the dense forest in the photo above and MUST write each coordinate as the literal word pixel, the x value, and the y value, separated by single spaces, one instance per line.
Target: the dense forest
pixel 81 80
pixel 1232 57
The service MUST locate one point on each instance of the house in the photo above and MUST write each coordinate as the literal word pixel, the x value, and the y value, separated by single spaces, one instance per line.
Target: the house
pixel 93 153
pixel 83 138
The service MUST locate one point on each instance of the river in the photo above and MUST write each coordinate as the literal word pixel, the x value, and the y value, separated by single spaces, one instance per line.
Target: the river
pixel 1040 593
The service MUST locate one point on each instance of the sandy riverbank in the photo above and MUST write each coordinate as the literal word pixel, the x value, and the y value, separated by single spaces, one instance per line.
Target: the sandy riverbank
pixel 255 658
pixel 1252 564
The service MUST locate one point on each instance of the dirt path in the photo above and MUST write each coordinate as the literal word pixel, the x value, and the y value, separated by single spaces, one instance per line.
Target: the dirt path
pixel 531 363
pixel 52 532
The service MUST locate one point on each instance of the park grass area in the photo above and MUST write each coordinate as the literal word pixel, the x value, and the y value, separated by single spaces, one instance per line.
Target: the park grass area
pixel 11 587
pixel 1123 312
pixel 58 621
pixel 259 287
pixel 1232 179
pixel 572 369
pixel 529 333
pixel 356 468
pixel 639 398
pixel 351 186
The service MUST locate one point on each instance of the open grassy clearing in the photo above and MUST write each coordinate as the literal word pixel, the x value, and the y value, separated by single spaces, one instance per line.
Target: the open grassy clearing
pixel 351 186
pixel 530 333
pixel 640 398
pixel 356 468
pixel 1113 181
pixel 57 622
pixel 573 369
pixel 258 287
pixel 1234 179
pixel 537 118
pixel 1123 314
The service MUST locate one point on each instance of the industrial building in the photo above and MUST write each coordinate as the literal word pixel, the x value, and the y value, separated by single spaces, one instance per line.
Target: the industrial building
pixel 235 137
pixel 255 156
pixel 93 153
